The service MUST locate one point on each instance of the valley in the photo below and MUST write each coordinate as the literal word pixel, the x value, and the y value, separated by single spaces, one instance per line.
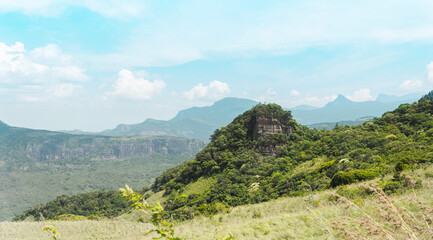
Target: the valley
pixel 264 158
pixel 36 166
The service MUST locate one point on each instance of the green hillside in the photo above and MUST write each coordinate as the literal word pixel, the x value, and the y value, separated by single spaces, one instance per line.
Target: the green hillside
pixel 243 167
pixel 36 166
pixel 263 154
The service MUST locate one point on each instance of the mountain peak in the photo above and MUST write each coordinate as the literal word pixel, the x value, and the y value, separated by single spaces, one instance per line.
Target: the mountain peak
pixel 339 101
pixel 3 125
pixel 230 100
pixel 341 98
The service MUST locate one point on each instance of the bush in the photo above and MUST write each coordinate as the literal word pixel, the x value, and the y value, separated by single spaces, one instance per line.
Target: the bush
pixel 257 214
pixel 362 191
pixel 390 187
pixel 343 178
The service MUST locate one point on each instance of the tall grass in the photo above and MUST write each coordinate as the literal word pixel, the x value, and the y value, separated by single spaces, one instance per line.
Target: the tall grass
pixel 323 215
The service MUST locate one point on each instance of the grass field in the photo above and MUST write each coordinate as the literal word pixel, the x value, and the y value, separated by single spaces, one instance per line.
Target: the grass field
pixel 321 215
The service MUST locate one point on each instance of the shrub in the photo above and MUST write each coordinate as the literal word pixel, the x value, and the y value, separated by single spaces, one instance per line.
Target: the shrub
pixel 343 178
pixel 390 187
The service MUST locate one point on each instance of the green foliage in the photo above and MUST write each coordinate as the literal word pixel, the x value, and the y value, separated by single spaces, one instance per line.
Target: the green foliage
pixel 428 96
pixel 238 171
pixel 390 187
pixel 81 206
pixel 304 160
pixel 343 178
pixel 23 189
pixel 72 217
pixel 230 237
pixel 52 231
pixel 29 159
pixel 362 191
pixel 163 228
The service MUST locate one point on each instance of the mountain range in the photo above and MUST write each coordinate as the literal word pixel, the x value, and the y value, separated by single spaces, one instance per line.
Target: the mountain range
pixel 196 122
pixel 37 165
pixel 343 109
pixel 201 122
pixel 263 154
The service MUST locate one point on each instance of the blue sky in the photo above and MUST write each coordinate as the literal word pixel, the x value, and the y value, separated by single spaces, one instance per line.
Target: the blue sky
pixel 91 65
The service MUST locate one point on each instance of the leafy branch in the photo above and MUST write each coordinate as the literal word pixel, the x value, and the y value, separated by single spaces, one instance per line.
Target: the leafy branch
pixel 163 228
pixel 52 231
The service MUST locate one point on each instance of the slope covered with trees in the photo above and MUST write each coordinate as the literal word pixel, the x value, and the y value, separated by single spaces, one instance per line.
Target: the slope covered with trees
pixel 264 154
pixel 233 169
pixel 36 165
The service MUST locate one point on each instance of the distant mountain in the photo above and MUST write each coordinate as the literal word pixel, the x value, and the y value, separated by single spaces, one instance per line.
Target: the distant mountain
pixel 37 165
pixel 262 155
pixel 303 107
pixel 331 125
pixel 343 109
pixel 196 122
pixel 409 98
pixel 201 122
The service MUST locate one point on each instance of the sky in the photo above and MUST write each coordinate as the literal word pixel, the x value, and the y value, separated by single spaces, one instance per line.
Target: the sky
pixel 93 64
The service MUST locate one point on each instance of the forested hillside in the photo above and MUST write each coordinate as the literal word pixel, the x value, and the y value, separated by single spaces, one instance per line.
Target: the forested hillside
pixel 240 167
pixel 36 165
pixel 264 154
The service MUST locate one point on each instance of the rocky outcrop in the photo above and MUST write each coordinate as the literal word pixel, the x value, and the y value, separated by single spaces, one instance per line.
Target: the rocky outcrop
pixel 264 127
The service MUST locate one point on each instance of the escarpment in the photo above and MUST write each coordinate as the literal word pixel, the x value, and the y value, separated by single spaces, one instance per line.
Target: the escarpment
pixel 269 133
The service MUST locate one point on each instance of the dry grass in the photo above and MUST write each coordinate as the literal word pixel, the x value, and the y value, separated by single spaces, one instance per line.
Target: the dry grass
pixel 323 215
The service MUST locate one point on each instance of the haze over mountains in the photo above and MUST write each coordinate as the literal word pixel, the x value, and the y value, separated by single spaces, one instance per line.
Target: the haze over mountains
pixel 201 122
pixel 38 165
pixel 343 109
pixel 28 154
pixel 196 122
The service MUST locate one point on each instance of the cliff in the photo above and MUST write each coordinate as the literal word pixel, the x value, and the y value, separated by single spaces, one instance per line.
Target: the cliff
pixel 101 148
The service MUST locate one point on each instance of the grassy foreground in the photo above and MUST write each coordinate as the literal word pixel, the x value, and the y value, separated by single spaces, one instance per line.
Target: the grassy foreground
pixel 322 215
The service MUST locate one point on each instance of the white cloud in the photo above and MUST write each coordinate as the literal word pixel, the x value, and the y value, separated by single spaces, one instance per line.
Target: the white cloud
pixel 278 28
pixel 38 93
pixel 129 87
pixel 361 95
pixel 51 53
pixel 50 8
pixel 13 62
pixel 69 73
pixel 411 85
pixel 294 93
pixel 214 90
pixel 430 72
pixel 314 101
pixel 63 90
pixel 43 65
pixel 39 75
pixel 269 96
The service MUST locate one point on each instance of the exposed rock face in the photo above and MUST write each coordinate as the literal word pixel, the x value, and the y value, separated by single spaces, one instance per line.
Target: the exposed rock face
pixel 267 126
pixel 112 148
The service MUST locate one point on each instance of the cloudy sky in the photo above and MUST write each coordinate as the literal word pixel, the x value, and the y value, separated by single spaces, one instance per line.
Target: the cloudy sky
pixel 90 65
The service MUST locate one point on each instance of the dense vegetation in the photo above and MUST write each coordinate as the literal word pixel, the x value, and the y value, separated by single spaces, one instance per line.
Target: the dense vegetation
pixel 341 213
pixel 233 168
pixel 23 189
pixel 36 165
pixel 91 205
pixel 306 160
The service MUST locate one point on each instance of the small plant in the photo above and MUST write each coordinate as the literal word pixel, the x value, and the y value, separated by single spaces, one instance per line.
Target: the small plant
pixel 52 231
pixel 230 237
pixel 257 214
pixel 163 228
